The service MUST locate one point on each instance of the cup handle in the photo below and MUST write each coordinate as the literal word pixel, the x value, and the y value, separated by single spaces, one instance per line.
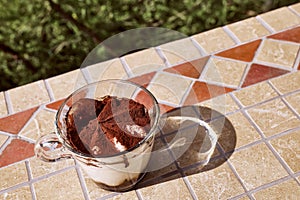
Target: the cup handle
pixel 48 148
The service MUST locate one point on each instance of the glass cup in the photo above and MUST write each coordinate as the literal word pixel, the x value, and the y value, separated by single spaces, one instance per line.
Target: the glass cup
pixel 117 172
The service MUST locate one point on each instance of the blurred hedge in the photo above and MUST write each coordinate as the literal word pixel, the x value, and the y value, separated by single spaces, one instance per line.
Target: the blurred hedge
pixel 43 38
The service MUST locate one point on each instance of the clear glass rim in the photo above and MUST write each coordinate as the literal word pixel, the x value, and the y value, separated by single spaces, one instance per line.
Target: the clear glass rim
pixel 152 131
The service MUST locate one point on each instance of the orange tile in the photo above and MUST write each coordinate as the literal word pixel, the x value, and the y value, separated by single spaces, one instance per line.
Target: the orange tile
pixel 14 123
pixel 55 105
pixel 202 91
pixel 191 69
pixel 244 52
pixel 16 151
pixel 292 35
pixel 144 79
pixel 165 108
pixel 258 73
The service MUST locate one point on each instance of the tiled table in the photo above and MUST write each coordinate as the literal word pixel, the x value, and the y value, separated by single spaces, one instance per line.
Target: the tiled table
pixel 258 85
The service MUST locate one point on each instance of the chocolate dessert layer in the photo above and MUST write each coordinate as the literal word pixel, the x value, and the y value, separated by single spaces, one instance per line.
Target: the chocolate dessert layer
pixel 106 126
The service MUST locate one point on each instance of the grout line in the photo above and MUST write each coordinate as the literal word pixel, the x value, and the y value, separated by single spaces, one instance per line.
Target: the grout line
pixel 9 106
pixel 290 107
pixel 108 196
pixel 265 24
pixel 86 74
pixel 189 187
pixel 81 181
pixel 283 41
pixel 274 65
pixel 126 68
pixel 232 35
pixel 199 47
pixel 297 61
pixel 29 173
pixel 5 144
pixel 30 120
pixel 14 187
pixel 270 184
pixel 177 75
pixel 161 54
pixel 186 93
pixel 245 73
pixel 49 90
pixel 239 196
pixel 293 10
pixel 139 194
pixel 282 97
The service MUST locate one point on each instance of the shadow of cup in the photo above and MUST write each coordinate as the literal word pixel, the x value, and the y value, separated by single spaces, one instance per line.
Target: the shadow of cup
pixel 185 147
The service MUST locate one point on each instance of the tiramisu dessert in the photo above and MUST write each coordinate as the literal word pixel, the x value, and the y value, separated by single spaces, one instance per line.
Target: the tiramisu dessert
pixel 109 130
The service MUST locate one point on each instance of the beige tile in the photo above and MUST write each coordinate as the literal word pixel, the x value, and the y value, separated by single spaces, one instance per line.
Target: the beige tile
pixel 169 88
pixel 218 183
pixel 3 138
pixel 257 166
pixel 254 94
pixel 223 104
pixel 294 100
pixel 276 20
pixel 244 198
pixel 60 186
pixel 245 132
pixel 28 96
pixel 40 168
pixel 248 29
pixel 278 52
pixel 13 175
pixel 20 193
pixel 214 40
pixel 144 61
pixel 64 84
pixel 273 117
pixel 180 51
pixel 296 7
pixel 3 108
pixel 112 69
pixel 125 196
pixel 287 83
pixel 225 72
pixel 289 149
pixel 285 190
pixel 174 189
pixel 94 191
pixel 41 124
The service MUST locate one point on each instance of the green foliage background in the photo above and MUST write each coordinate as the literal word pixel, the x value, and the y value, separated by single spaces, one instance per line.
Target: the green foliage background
pixel 43 38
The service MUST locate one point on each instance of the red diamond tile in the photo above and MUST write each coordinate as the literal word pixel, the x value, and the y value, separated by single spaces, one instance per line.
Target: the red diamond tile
pixel 16 151
pixel 191 69
pixel 258 73
pixel 144 79
pixel 202 91
pixel 243 52
pixel 14 123
pixel 55 105
pixel 292 35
